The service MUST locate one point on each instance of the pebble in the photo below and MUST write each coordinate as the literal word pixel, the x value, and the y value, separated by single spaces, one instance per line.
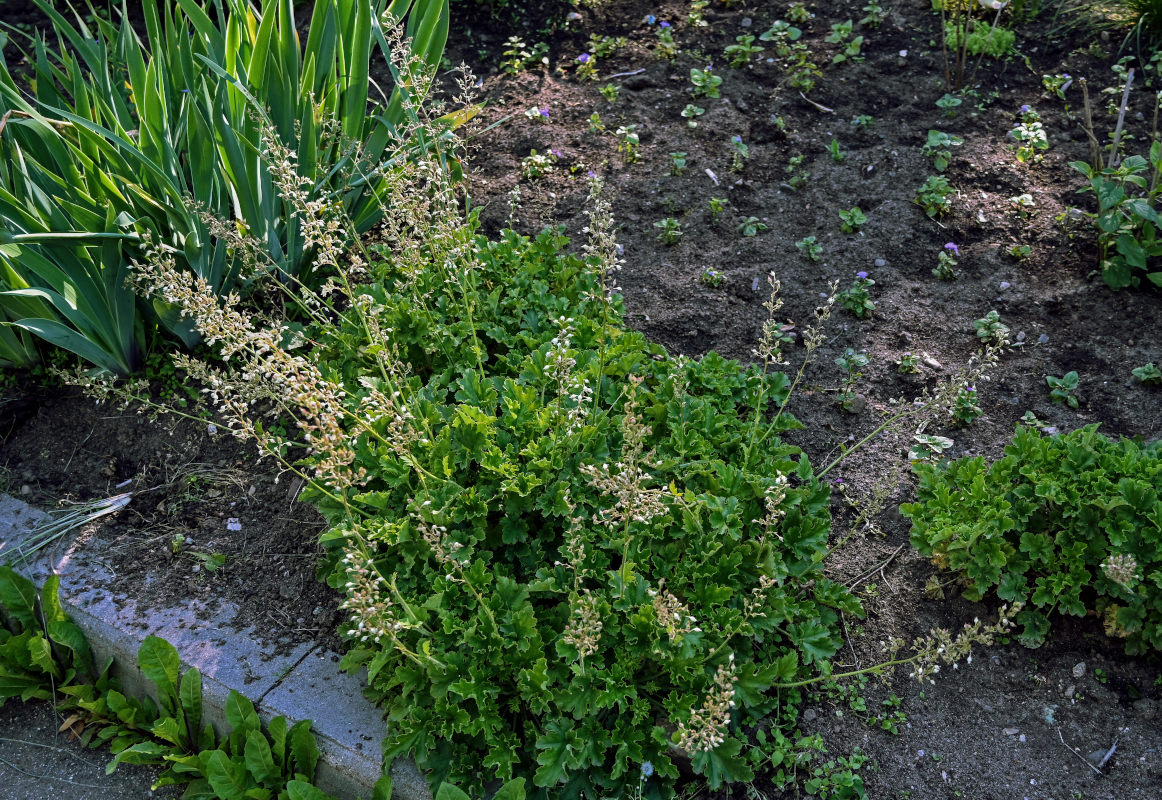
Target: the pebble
pixel 746 22
pixel 1020 336
pixel 1079 669
pixel 879 262
pixel 1005 285
pixel 809 715
pixel 1043 339
pixel 26 489
pixel 929 361
pixel 1010 731
pixel 1069 690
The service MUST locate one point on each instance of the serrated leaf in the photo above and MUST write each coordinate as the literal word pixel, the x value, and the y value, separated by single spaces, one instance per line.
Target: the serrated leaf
pixel 303 748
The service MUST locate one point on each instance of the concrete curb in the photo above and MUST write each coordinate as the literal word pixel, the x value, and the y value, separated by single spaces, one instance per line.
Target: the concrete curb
pixel 303 684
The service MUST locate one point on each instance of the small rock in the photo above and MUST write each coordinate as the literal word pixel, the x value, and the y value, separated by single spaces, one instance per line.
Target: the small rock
pixel 1021 738
pixel 930 362
pixel 1043 339
pixel 1069 690
pixel 26 490
pixel 905 338
pixel 857 405
pixel 746 22
pixel 1079 669
pixel 1020 336
pixel 880 262
pixel 809 715
pixel 1005 285
pixel 1010 731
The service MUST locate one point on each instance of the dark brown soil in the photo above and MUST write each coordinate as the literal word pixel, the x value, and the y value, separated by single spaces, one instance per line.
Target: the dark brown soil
pixel 998 728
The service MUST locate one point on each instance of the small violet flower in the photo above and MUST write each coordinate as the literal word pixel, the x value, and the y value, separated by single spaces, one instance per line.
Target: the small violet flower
pixel 583 58
pixel 663 24
pixel 647 769
pixel 650 19
pixel 556 153
pixel 952 248
pixel 861 275
pixel 1025 109
pixel 545 113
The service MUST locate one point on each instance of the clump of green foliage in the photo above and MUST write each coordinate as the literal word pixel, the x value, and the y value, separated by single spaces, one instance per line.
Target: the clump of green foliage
pixel 1069 523
pixel 43 655
pixel 982 39
pixel 1127 219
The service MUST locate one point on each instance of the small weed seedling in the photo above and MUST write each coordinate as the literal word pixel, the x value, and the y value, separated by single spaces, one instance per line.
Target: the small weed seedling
pixel 837 155
pixel 666 47
pixel 1149 374
pixel 677 163
pixel 741 152
pixel 855 298
pixel 874 14
pixel 946 262
pixel 628 143
pixel 691 112
pixel 782 34
pixel 606 46
pixel 797 174
pixel 1019 252
pixel 740 54
pixel 810 248
pixel 1057 84
pixel 751 226
pixel 717 205
pixel 1023 205
pixel 535 114
pixel 990 329
pixel 948 105
pixel 938 148
pixel 611 92
pixel 797 12
pixel 863 121
pixel 711 278
pixel 852 220
pixel 935 196
pixel 518 56
pixel 671 230
pixel 909 364
pixel 965 409
pixel 928 449
pixel 705 82
pixel 586 67
pixel 1029 134
pixel 851 362
pixel 596 125
pixel 1062 389
pixel 536 165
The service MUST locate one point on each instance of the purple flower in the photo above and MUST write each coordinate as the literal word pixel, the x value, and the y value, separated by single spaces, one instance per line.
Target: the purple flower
pixel 861 275
pixel 555 152
pixel 650 19
pixel 663 24
pixel 591 174
pixel 953 248
pixel 647 769
pixel 545 113
pixel 583 58
pixel 838 480
pixel 970 388
pixel 1025 109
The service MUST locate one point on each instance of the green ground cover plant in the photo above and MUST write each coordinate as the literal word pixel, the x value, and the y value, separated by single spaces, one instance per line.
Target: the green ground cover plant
pixel 1068 523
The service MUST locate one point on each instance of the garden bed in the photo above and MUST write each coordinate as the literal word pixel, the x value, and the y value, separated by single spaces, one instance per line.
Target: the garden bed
pixel 999 727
